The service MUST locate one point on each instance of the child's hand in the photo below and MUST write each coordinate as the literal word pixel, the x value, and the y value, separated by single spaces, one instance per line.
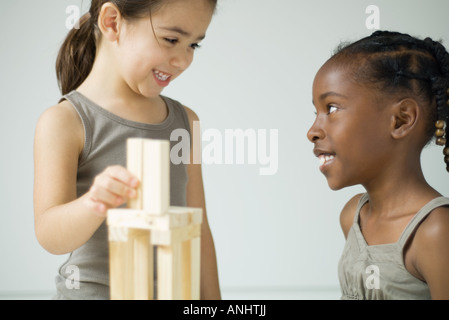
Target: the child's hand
pixel 111 189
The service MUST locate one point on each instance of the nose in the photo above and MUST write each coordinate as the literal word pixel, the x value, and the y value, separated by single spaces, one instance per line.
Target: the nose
pixel 315 132
pixel 182 59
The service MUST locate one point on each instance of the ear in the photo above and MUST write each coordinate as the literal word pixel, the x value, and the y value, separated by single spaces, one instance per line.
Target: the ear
pixel 404 118
pixel 109 21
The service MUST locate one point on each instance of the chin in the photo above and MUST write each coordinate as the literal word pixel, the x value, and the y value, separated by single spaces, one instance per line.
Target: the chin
pixel 149 92
pixel 336 185
pixel 335 188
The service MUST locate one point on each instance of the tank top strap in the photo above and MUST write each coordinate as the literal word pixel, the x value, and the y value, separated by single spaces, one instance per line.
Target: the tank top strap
pixel 75 100
pixel 363 200
pixel 420 216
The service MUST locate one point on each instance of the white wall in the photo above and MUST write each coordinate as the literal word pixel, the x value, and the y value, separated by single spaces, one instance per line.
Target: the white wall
pixel 254 71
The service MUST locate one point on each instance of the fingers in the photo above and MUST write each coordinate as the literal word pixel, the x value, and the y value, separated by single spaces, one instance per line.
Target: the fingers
pixel 96 207
pixel 121 174
pixel 112 188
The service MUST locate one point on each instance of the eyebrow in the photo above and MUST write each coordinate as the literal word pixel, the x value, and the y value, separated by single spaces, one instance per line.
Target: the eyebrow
pixel 182 32
pixel 330 94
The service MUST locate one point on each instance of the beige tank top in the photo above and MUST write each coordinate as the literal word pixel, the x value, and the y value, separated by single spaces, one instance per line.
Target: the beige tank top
pixel 378 272
pixel 105 145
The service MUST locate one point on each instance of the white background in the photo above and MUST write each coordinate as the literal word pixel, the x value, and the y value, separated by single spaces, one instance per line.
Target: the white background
pixel 276 236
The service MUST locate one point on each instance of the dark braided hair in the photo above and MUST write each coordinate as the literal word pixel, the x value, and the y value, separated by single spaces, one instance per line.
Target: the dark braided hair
pixel 398 63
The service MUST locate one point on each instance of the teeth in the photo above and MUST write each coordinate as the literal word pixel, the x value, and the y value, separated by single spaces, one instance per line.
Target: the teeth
pixel 322 160
pixel 161 76
pixel 325 158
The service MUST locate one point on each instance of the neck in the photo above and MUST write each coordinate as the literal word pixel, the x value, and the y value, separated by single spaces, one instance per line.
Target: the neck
pixel 399 188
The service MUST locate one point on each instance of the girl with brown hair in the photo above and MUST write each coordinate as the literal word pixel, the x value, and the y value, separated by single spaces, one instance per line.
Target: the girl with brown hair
pixel 112 71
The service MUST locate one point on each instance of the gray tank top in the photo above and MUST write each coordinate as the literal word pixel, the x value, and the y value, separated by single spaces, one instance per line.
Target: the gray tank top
pixel 105 145
pixel 378 272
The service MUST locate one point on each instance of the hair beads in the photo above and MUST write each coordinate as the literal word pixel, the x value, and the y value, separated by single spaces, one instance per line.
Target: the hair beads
pixel 439 133
pixel 439 130
pixel 441 138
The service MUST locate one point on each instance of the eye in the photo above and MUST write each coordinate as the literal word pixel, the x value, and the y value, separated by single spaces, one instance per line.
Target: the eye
pixel 331 109
pixel 195 46
pixel 171 41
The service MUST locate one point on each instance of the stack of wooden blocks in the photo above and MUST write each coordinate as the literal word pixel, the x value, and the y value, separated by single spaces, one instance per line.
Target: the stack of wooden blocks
pixel 154 249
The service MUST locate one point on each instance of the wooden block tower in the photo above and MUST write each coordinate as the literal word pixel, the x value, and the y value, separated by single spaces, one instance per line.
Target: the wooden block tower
pixel 154 249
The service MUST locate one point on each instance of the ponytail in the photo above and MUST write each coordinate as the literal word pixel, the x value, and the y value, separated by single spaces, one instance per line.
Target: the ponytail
pixel 76 56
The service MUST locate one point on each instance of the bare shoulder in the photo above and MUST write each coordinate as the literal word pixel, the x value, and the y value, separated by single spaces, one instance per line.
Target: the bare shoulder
pixel 435 228
pixel 60 122
pixel 195 154
pixel 431 247
pixel 348 213
pixel 191 114
pixel 62 113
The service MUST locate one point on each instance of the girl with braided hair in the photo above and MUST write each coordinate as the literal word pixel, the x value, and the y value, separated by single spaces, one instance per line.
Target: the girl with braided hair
pixel 379 102
pixel 112 71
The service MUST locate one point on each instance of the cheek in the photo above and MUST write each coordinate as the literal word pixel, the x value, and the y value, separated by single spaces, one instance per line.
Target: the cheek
pixel 139 57
pixel 353 143
pixel 363 148
pixel 137 68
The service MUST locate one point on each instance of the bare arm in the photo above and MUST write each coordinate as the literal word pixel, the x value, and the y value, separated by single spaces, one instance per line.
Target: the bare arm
pixel 63 223
pixel 210 288
pixel 432 252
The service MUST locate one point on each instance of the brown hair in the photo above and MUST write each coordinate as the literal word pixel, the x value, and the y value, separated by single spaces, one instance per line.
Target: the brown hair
pixel 77 54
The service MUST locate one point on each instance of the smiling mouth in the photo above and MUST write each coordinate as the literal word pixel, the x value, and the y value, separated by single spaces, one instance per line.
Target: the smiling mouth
pixel 161 76
pixel 325 158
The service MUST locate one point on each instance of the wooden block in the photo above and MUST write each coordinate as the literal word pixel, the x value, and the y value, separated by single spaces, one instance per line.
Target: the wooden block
pixel 191 269
pixel 169 272
pixel 149 221
pixel 143 265
pixel 140 219
pixel 116 270
pixel 149 160
pixel 196 214
pixel 195 268
pixel 121 268
pixel 173 236
pixel 131 265
pixel 156 176
pixel 118 233
pixel 134 164
pixel 128 274
pixel 186 270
